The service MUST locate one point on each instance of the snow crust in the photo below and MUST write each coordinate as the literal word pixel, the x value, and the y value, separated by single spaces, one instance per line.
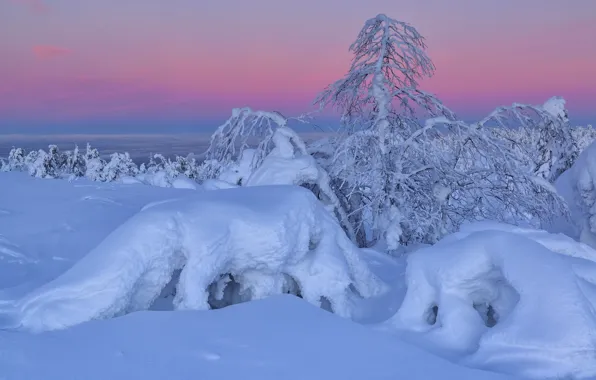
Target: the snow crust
pixel 267 238
pixel 506 299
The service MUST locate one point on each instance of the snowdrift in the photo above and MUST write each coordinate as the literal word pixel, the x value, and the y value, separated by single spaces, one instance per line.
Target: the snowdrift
pixel 281 337
pixel 506 299
pixel 260 240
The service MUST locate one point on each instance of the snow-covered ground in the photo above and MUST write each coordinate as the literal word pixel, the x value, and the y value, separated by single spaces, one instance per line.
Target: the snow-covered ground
pixel 76 256
pixel 48 226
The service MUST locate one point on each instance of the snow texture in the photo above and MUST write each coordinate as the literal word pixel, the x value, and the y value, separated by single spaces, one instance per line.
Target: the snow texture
pixel 506 299
pixel 267 238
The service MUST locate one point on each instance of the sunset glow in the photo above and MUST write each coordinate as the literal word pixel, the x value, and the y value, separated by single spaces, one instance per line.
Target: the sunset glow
pixel 81 62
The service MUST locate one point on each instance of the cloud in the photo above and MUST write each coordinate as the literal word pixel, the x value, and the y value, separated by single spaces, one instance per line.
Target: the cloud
pixel 49 51
pixel 38 6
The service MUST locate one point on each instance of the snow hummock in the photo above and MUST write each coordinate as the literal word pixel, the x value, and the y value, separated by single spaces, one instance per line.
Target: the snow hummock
pixel 271 240
pixel 505 299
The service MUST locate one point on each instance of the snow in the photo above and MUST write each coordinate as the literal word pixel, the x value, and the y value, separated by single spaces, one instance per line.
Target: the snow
pixel 578 187
pixel 49 226
pixel 75 254
pixel 556 107
pixel 277 338
pixel 267 238
pixel 506 299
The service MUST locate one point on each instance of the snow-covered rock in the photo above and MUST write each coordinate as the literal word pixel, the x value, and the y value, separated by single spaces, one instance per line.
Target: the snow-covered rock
pixel 506 299
pixel 269 239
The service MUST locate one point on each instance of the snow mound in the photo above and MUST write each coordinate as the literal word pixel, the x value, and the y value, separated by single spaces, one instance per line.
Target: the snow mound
pixel 129 180
pixel 267 240
pixel 507 299
pixel 184 183
pixel 216 184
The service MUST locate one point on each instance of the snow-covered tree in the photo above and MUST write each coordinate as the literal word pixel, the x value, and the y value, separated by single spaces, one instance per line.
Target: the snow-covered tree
pixel 549 143
pixel 583 136
pixel 402 180
pixel 39 164
pixel 186 166
pixel 120 165
pixel 93 164
pixel 380 164
pixel 245 128
pixel 75 162
pixel 16 159
pixel 481 176
pixel 279 157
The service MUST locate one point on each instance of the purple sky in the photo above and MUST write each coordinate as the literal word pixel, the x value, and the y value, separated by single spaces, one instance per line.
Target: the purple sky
pixel 156 65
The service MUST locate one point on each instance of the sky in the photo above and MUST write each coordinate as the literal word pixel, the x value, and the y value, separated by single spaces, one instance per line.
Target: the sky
pixel 151 66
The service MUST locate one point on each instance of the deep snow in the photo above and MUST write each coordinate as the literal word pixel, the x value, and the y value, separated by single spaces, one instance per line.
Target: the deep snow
pixel 277 338
pixel 540 286
pixel 505 298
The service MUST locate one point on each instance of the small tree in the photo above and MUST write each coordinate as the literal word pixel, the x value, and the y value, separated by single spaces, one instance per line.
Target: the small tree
pixel 379 101
pixel 277 140
pixel 75 162
pixel 16 159
pixel 93 164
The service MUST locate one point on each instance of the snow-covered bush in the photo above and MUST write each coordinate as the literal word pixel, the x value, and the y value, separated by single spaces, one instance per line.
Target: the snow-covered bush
pixel 471 294
pixel 120 165
pixel 160 172
pixel 269 240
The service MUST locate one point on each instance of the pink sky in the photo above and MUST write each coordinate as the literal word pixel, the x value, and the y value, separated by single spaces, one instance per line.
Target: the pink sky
pixel 75 62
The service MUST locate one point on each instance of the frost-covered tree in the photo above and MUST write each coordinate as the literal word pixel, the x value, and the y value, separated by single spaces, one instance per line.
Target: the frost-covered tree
pixel 380 164
pixel 39 164
pixel 16 159
pixel 208 169
pixel 186 166
pixel 403 180
pixel 245 128
pixel 280 156
pixel 583 136
pixel 480 176
pixel 50 164
pixel 93 164
pixel 120 165
pixel 546 137
pixel 75 163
